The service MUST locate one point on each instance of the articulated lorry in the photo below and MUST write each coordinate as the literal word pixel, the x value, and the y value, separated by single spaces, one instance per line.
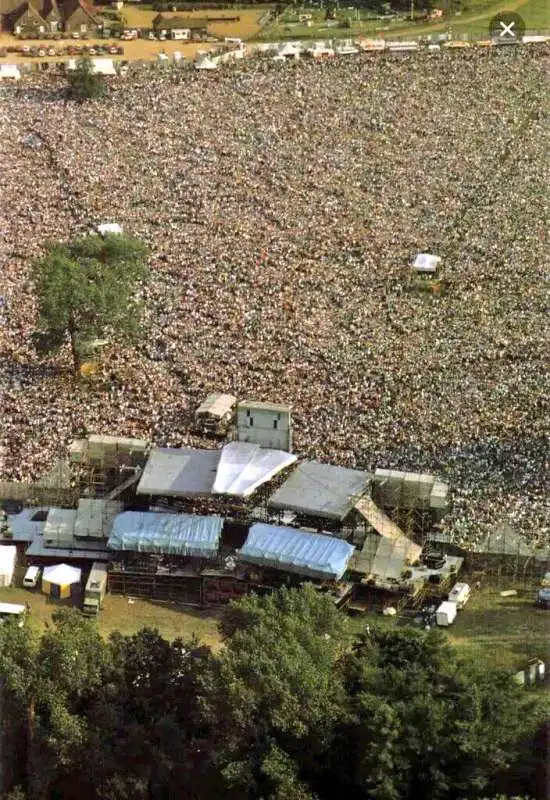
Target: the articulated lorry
pixel 96 588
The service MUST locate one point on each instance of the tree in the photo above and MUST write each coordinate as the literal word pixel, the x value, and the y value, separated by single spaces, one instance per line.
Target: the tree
pixel 424 723
pixel 85 83
pixel 273 696
pixel 86 289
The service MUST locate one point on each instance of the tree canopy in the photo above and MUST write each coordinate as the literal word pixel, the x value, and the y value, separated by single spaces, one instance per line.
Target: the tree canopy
pixel 86 289
pixel 293 707
pixel 85 83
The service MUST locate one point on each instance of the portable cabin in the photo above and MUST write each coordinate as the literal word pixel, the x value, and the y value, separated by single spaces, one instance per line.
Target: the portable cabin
pixel 459 594
pixel 445 614
pixel 13 611
pixel 266 424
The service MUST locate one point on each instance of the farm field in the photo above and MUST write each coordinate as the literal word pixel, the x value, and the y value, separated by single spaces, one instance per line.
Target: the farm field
pixel 473 23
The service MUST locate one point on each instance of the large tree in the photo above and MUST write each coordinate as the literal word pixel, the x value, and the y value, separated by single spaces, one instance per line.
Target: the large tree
pixel 85 83
pixel 87 289
pixel 274 697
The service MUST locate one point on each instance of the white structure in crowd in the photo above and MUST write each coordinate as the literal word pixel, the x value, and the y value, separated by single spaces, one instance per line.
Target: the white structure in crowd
pixel 426 263
pixel 8 554
pixel 266 424
pixel 102 66
pixel 109 227
pixel 9 72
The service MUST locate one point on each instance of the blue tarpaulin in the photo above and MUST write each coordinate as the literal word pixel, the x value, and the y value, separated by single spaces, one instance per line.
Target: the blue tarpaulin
pixel 312 554
pixel 175 534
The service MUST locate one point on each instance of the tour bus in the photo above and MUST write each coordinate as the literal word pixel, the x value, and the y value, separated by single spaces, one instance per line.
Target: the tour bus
pixel 13 611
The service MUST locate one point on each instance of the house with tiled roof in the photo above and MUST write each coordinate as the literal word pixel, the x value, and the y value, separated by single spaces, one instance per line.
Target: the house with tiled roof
pixel 48 16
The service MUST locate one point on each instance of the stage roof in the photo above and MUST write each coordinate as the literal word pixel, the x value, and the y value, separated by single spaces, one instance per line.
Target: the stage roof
pixel 176 534
pixel 179 472
pixel 321 490
pixel 243 467
pixel 288 549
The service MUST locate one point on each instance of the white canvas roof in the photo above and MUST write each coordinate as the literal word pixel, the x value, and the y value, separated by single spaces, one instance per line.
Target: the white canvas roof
pixel 425 262
pixel 62 574
pixel 205 62
pixel 9 71
pixel 243 467
pixel 109 227
pixel 8 555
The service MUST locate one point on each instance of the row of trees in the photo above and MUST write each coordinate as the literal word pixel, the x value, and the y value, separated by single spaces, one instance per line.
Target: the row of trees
pixel 292 708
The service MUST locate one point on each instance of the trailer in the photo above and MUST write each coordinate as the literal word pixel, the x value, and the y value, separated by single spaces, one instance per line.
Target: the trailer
pixel 96 588
pixel 445 614
pixel 460 594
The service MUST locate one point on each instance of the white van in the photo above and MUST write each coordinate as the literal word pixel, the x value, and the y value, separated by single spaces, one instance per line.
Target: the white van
pixel 32 576
pixel 460 594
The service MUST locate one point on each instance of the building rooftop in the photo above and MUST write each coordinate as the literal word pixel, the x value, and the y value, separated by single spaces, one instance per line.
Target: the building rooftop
pixel 264 406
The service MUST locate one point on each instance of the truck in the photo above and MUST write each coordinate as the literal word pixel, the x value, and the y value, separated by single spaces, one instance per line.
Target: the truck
pixel 214 416
pixel 96 588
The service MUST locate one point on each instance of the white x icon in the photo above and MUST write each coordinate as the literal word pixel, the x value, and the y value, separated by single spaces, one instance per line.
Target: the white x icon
pixel 507 28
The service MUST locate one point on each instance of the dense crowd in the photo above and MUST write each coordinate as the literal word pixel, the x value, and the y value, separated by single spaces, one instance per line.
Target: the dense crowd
pixel 283 204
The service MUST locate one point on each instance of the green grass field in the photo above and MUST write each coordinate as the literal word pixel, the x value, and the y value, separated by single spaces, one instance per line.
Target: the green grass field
pixel 473 22
pixel 127 617
pixel 499 631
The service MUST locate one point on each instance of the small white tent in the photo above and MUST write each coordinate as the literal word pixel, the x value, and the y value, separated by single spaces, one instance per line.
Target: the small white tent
pixel 59 580
pixel 9 72
pixel 426 262
pixel 109 227
pixel 205 62
pixel 8 555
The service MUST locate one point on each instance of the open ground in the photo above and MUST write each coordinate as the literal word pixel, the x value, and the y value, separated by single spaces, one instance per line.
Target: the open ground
pixel 498 631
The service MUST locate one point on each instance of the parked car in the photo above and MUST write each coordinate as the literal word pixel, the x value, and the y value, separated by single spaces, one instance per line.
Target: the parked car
pixel 3 52
pixel 433 560
pixel 41 52
pixel 543 599
pixel 75 35
pixel 52 51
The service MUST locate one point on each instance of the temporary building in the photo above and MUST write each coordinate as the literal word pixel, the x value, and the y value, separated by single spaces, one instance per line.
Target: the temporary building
pixel 446 613
pixel 9 72
pixel 61 581
pixel 426 263
pixel 8 555
pixel 175 534
pixel 312 554
pixel 109 227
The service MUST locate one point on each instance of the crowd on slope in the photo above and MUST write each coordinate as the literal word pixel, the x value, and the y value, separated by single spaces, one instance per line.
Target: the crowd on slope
pixel 283 205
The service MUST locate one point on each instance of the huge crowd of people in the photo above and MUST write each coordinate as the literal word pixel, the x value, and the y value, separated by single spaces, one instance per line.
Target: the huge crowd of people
pixel 283 204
